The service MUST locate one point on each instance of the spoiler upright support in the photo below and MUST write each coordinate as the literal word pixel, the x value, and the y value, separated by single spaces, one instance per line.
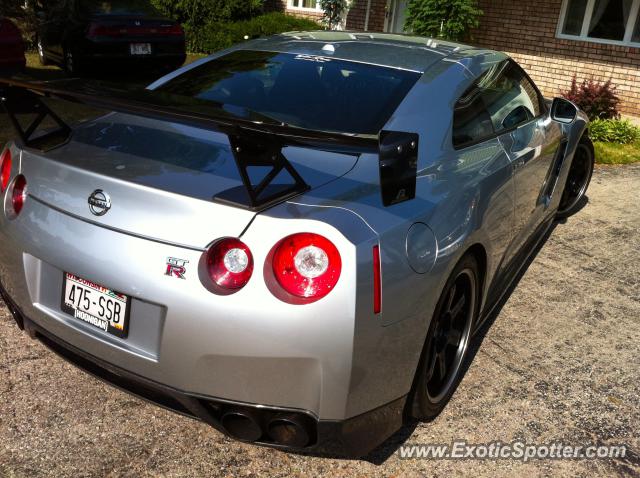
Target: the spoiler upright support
pixel 20 101
pixel 261 150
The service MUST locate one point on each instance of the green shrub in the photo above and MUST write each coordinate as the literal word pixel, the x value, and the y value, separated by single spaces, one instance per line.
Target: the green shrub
pixel 219 35
pixel 597 99
pixel 614 131
pixel 196 13
pixel 448 19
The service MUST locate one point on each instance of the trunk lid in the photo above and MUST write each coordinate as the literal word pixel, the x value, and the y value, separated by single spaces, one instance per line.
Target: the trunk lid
pixel 160 177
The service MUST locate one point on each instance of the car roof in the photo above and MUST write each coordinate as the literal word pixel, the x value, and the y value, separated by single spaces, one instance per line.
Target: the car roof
pixel 393 50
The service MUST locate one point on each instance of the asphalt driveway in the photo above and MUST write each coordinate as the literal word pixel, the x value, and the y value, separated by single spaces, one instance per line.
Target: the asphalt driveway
pixel 560 362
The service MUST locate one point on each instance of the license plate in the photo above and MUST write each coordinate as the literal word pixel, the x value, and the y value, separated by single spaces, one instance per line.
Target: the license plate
pixel 140 48
pixel 96 305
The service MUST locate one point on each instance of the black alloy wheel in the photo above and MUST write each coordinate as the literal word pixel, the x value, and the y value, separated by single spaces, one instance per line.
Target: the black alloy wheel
pixel 578 179
pixel 447 341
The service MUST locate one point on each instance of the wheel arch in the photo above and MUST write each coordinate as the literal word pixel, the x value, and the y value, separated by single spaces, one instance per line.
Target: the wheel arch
pixel 478 251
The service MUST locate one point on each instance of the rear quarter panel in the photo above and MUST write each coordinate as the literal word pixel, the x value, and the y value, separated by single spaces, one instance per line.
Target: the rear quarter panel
pixel 464 197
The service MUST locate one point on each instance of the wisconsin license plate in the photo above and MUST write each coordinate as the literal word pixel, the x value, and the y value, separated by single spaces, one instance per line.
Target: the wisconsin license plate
pixel 140 48
pixel 96 305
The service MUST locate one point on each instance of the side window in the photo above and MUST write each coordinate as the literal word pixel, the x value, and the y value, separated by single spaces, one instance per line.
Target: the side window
pixel 501 99
pixel 511 98
pixel 471 119
pixel 537 101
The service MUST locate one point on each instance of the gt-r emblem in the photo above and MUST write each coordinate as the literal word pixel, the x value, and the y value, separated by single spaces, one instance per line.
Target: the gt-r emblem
pixel 176 267
pixel 99 202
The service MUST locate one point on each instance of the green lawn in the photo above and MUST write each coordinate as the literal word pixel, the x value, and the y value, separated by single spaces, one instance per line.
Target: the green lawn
pixel 613 153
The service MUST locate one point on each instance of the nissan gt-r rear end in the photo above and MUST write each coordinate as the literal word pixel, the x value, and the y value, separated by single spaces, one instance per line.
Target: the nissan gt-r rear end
pixel 122 264
pixel 292 240
pixel 126 251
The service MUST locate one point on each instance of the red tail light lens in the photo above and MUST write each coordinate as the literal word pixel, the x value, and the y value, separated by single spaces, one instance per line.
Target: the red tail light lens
pixel 229 263
pixel 5 170
pixel 174 30
pixel 19 194
pixel 307 265
pixel 377 290
pixel 98 30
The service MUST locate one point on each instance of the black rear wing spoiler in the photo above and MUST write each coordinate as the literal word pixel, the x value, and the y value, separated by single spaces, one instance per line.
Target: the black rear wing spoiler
pixel 253 142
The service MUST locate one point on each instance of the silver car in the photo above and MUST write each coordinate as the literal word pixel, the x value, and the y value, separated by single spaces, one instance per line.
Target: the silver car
pixel 292 240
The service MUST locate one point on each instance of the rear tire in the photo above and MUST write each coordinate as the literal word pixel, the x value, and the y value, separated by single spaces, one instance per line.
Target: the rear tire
pixel 447 342
pixel 578 179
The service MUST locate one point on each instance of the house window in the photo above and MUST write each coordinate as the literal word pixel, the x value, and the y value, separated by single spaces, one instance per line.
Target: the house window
pixel 305 5
pixel 602 21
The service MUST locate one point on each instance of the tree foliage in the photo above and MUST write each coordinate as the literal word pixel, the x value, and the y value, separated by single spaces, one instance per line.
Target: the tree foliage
pixel 12 8
pixel 195 13
pixel 447 19
pixel 333 12
pixel 24 14
pixel 215 36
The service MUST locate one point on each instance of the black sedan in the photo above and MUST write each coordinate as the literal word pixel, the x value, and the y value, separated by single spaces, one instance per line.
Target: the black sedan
pixel 11 47
pixel 118 34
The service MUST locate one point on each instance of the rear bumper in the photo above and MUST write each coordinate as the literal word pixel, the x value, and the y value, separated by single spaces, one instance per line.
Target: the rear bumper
pixel 116 53
pixel 180 334
pixel 116 60
pixel 353 437
pixel 199 353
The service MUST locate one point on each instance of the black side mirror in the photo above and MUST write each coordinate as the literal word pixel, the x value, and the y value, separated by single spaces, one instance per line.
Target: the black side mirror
pixel 563 111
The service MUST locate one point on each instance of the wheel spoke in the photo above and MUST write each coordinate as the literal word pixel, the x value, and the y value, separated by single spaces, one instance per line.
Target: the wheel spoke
pixel 458 307
pixel 443 365
pixel 452 294
pixel 454 337
pixel 432 366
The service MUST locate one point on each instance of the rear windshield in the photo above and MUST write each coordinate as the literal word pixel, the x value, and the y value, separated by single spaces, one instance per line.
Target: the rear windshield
pixel 301 90
pixel 119 7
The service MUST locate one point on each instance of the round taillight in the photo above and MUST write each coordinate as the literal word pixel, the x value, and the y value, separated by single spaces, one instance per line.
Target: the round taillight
pixel 307 265
pixel 229 263
pixel 19 194
pixel 5 170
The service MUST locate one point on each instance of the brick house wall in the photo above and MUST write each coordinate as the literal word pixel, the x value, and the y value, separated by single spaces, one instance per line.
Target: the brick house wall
pixel 527 32
pixel 357 15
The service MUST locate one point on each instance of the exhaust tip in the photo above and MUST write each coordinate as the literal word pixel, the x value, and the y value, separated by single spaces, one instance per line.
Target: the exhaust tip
pixel 241 425
pixel 290 430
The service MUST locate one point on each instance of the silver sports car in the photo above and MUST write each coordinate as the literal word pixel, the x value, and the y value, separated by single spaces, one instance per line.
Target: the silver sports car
pixel 292 240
